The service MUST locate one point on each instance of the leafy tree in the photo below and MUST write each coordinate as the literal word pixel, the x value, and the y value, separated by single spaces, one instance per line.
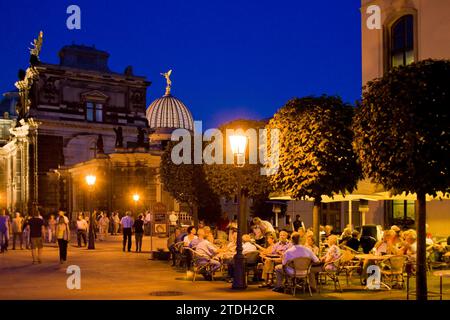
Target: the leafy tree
pixel 187 184
pixel 225 179
pixel 316 156
pixel 402 136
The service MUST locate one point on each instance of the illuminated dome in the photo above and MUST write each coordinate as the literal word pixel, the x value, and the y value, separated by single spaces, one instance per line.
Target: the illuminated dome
pixel 169 112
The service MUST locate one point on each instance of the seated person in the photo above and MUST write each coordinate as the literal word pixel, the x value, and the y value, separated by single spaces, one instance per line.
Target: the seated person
pixel 282 245
pixel 220 236
pixel 247 245
pixel 278 249
pixel 201 235
pixel 206 252
pixel 258 236
pixel 345 236
pixel 228 250
pixel 247 248
pixel 387 245
pixel 310 244
pixel 409 246
pixel 208 231
pixel 328 231
pixel 266 273
pixel 333 253
pixel 397 231
pixel 302 234
pixel 190 236
pixel 295 251
pixel 353 242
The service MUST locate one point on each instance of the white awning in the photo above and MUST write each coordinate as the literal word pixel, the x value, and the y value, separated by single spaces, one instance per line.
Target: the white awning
pixel 365 190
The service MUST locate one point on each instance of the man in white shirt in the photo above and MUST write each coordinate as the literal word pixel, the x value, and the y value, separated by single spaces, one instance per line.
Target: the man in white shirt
pixel 247 246
pixel 296 251
pixel 127 224
pixel 82 227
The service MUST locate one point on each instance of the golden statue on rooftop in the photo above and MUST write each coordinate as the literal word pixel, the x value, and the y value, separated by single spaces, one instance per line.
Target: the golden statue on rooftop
pixel 27 79
pixel 169 82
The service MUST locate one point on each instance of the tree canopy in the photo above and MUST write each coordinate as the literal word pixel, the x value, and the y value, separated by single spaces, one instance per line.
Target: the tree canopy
pixel 316 156
pixel 402 128
pixel 187 184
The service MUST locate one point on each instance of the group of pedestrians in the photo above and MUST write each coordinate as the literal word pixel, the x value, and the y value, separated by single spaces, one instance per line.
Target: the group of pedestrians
pixel 128 224
pixel 32 231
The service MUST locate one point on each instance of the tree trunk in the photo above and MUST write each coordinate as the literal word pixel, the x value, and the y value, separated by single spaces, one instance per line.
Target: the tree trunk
pixel 195 214
pixel 421 272
pixel 316 220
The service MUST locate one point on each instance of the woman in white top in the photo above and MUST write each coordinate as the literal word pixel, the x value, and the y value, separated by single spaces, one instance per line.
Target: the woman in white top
pixel 190 236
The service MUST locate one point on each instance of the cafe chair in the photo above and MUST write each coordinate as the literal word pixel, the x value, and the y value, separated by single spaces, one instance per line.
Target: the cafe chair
pixel 393 271
pixel 296 273
pixel 180 257
pixel 348 264
pixel 199 264
pixel 251 264
pixel 331 273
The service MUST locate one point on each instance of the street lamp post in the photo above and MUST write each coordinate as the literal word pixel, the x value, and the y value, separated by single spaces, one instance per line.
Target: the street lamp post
pixel 238 145
pixel 90 180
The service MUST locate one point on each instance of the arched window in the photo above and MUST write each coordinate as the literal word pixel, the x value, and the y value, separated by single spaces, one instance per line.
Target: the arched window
pixel 402 41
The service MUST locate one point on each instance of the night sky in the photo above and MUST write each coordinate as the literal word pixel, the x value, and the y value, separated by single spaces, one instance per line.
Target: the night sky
pixel 230 59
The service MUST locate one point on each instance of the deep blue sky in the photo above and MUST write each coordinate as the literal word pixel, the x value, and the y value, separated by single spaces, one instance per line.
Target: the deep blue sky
pixel 230 59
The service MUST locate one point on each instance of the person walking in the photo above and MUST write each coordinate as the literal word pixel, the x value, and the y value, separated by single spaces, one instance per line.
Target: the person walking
pixel 37 231
pixel 116 221
pixel 51 229
pixel 26 232
pixel 82 228
pixel 17 228
pixel 4 231
pixel 62 235
pixel 103 226
pixel 139 232
pixel 127 224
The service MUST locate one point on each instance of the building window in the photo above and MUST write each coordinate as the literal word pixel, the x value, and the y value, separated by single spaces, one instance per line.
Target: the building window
pixel 401 213
pixel 94 112
pixel 402 42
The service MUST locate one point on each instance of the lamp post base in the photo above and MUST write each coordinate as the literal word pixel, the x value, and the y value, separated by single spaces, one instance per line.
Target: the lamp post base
pixel 239 277
pixel 91 242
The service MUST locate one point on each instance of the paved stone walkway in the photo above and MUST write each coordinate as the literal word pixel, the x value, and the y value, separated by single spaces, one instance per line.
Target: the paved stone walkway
pixel 109 273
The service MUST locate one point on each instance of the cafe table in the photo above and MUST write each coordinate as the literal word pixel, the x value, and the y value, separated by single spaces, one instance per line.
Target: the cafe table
pixel 441 274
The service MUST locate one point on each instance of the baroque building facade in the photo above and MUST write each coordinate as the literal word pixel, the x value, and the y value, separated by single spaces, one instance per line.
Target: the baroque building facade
pixel 85 119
